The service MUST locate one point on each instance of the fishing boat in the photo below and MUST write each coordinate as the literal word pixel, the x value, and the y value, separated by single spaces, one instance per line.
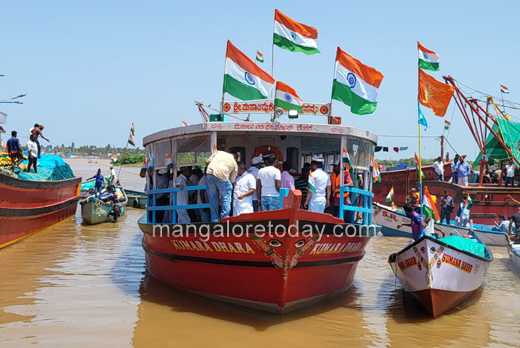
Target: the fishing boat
pixel 441 273
pixel 514 252
pixel 388 218
pixel 28 204
pixel 275 271
pixel 136 199
pixel 95 211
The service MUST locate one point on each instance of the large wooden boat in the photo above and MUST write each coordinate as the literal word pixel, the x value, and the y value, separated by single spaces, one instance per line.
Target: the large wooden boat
pixel 388 218
pixel 94 211
pixel 27 207
pixel 514 252
pixel 441 273
pixel 289 266
pixel 136 199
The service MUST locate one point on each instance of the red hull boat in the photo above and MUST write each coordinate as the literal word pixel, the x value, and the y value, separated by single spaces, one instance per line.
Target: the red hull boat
pixel 276 274
pixel 27 207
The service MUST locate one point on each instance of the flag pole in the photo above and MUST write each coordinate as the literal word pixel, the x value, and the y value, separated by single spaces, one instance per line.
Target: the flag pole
pixel 503 104
pixel 223 86
pixel 332 91
pixel 420 155
pixel 123 161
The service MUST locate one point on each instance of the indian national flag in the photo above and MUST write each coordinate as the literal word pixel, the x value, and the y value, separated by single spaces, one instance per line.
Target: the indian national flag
pixel 113 158
pixel 375 171
pixel 144 167
pixel 469 203
pixel 447 125
pixel 131 140
pixel 429 207
pixel 504 89
pixel 214 149
pixel 390 195
pixel 346 160
pixel 428 60
pixel 286 98
pixel 417 167
pixel 184 123
pixel 259 57
pixel 132 130
pixel 243 79
pixel 294 36
pixel 355 84
pixel 310 183
pixel 169 165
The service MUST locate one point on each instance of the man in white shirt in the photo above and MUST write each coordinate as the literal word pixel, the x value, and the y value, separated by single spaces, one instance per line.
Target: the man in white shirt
pixel 182 197
pixel 245 187
pixel 268 184
pixel 33 154
pixel 510 174
pixel 439 168
pixel 113 176
pixel 256 164
pixel 318 197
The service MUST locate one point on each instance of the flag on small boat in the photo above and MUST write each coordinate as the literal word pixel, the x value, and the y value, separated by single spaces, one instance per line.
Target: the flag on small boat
pixel 184 123
pixel 293 36
pixel 429 207
pixel 422 119
pixel 169 166
pixel 131 140
pixel 346 160
pixel 259 57
pixel 132 130
pixel 215 149
pixel 417 167
pixel 144 168
pixel 113 158
pixel 504 89
pixel 286 98
pixel 469 203
pixel 390 195
pixel 428 59
pixel 243 79
pixel 434 94
pixel 310 183
pixel 355 84
pixel 447 125
pixel 375 171
pixel 150 163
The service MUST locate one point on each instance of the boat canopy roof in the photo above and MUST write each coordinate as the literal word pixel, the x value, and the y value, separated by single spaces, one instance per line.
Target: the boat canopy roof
pixel 509 132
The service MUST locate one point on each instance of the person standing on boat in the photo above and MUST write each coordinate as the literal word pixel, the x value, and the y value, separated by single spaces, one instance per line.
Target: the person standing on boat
pixel 462 213
pixel 183 196
pixel 220 174
pixel 464 171
pixel 256 164
pixel 455 170
pixel 510 174
pixel 245 187
pixel 336 183
pixel 414 200
pixel 439 168
pixel 100 184
pixel 113 176
pixel 33 154
pixel 268 184
pixel 14 149
pixel 415 221
pixel 302 182
pixel 318 197
pixel 37 132
pixel 287 179
pixel 447 207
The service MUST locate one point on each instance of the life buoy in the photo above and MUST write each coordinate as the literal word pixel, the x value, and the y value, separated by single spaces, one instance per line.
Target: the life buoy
pixel 266 148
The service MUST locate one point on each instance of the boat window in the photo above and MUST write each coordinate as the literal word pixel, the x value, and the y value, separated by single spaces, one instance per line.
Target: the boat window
pixel 193 151
pixel 360 152
pixel 160 153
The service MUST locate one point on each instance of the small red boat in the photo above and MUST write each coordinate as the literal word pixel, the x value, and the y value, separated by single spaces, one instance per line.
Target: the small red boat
pixel 27 207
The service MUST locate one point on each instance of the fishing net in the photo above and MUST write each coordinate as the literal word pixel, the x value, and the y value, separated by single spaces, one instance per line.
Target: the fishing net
pixel 469 245
pixel 50 168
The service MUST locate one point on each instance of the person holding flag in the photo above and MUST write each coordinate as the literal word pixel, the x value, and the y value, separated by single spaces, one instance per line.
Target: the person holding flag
pixel 463 213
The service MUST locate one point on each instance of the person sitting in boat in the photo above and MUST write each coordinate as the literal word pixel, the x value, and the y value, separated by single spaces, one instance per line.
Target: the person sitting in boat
pixel 245 187
pixel 514 226
pixel 100 182
pixel 221 172
pixel 113 200
pixel 319 187
pixel 486 179
pixel 335 186
pixel 183 196
pixel 462 213
pixel 256 164
pixel 503 224
pixel 14 149
pixel 268 184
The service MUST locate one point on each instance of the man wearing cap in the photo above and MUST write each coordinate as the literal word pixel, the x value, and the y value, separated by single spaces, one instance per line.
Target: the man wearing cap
pixel 256 164
pixel 245 187
pixel 287 179
pixel 183 196
pixel 336 184
pixel 268 184
pixel 447 206
pixel 221 172
pixel 318 197
pixel 439 168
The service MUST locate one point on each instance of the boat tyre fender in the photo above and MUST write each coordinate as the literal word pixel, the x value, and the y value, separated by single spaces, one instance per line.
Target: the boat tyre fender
pixel 135 204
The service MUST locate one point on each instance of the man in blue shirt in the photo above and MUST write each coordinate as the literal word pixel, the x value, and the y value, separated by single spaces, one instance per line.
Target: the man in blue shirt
pixel 464 171
pixel 99 182
pixel 14 149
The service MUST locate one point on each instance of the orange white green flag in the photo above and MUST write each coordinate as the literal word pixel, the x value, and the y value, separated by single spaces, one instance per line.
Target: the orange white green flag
pixel 429 208
pixel 355 84
pixel 294 36
pixel 286 98
pixel 346 160
pixel 144 168
pixel 375 171
pixel 390 195
pixel 169 165
pixel 428 59
pixel 243 79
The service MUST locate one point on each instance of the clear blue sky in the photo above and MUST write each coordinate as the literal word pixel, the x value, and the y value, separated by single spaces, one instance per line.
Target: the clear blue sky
pixel 91 68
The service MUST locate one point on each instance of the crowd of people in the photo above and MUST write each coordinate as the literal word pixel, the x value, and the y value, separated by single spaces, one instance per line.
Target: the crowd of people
pixel 235 189
pixel 15 150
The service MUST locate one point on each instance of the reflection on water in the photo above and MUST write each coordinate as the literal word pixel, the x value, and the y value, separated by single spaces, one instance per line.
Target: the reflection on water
pixel 86 286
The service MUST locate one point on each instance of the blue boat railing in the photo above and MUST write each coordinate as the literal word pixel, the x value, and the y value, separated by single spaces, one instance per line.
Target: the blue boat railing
pixel 154 208
pixel 366 206
pixel 284 192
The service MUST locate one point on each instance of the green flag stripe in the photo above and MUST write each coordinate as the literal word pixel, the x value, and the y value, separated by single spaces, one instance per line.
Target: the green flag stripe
pixel 287 106
pixel 357 104
pixel 241 91
pixel 428 65
pixel 287 44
